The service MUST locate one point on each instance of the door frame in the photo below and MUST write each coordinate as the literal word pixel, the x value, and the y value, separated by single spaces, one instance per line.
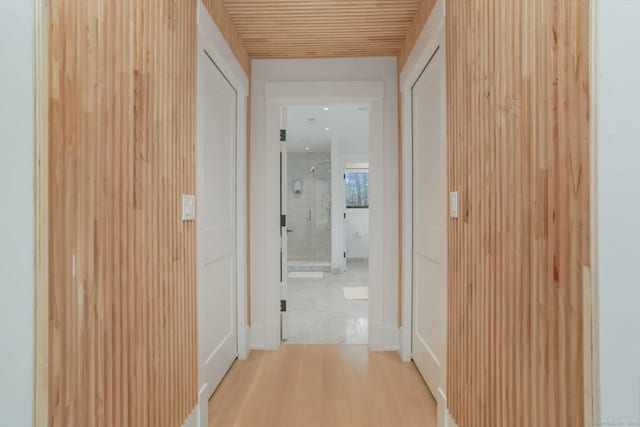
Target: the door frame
pixel 284 94
pixel 41 225
pixel 213 42
pixel 431 39
pixel 211 39
pixel 284 225
pixel 356 163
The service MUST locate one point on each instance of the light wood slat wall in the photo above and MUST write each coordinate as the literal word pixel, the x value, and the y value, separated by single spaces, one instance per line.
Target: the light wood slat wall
pixel 518 152
pixel 219 14
pixel 321 28
pixel 122 284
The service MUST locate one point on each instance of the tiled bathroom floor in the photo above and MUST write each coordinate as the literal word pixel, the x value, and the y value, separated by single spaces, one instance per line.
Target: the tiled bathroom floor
pixel 320 314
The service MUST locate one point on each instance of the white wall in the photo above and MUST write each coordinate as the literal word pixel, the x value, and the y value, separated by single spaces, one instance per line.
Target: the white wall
pixel 349 145
pixel 618 175
pixel 357 233
pixel 16 213
pixel 322 70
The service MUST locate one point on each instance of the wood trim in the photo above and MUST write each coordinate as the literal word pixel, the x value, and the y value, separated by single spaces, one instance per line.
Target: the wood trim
pixel 249 205
pixel 225 25
pixel 426 6
pixel 591 307
pixel 41 133
pixel 400 222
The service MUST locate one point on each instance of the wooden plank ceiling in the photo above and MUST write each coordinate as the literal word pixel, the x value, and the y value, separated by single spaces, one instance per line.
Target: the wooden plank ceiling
pixel 322 28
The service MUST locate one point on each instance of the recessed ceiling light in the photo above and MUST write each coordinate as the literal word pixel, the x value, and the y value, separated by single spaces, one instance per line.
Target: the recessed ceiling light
pixel 307 148
pixel 326 128
pixel 326 108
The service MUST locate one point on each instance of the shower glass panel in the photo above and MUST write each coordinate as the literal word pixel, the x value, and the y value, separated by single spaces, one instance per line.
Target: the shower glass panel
pixel 309 208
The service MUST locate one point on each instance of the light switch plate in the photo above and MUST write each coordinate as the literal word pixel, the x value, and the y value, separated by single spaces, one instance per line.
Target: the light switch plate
pixel 453 204
pixel 188 207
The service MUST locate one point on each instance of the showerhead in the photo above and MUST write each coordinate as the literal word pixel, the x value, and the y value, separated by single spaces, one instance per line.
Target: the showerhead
pixel 326 163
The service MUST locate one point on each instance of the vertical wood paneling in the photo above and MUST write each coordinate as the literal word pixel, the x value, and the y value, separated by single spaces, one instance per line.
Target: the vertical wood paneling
pixel 518 152
pixel 122 302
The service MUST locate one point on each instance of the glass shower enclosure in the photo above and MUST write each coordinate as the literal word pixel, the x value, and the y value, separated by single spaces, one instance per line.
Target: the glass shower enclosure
pixel 309 210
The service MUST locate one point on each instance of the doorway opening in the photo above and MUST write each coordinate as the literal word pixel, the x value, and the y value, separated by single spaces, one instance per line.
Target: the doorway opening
pixel 325 171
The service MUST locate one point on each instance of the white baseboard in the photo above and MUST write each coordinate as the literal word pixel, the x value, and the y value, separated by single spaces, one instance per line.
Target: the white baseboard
pixel 265 336
pixel 404 344
pixel 383 337
pixel 450 421
pixel 272 335
pixel 256 337
pixel 203 407
pixel 244 341
pixel 445 419
pixel 192 419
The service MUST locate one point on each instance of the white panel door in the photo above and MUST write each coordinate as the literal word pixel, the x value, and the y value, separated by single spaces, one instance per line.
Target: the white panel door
pixel 429 224
pixel 216 221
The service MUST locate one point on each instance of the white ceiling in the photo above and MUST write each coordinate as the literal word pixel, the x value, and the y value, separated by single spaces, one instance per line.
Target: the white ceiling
pixel 306 127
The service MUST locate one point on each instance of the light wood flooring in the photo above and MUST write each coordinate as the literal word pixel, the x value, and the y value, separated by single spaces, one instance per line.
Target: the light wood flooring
pixel 322 385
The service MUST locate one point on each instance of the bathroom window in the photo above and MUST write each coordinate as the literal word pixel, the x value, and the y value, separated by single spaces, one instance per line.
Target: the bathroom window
pixel 357 188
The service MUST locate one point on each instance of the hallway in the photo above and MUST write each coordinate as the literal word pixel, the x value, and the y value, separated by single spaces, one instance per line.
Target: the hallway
pixel 322 385
pixel 147 223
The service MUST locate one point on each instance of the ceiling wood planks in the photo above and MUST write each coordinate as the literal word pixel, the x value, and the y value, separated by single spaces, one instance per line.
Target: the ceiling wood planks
pixel 322 28
pixel 421 16
pixel 219 14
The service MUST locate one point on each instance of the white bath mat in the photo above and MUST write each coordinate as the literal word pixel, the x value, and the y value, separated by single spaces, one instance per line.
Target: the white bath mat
pixel 306 274
pixel 356 292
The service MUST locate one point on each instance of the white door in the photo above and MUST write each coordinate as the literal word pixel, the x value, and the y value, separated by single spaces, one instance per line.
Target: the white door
pixel 429 225
pixel 284 229
pixel 216 222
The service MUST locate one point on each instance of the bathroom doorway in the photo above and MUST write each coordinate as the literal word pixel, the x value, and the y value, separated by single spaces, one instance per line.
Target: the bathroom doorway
pixel 326 168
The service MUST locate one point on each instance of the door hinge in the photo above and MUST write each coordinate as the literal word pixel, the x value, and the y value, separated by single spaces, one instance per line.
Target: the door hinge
pixel 344 254
pixel 345 215
pixel 344 176
pixel 283 135
pixel 283 305
pixel 283 220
